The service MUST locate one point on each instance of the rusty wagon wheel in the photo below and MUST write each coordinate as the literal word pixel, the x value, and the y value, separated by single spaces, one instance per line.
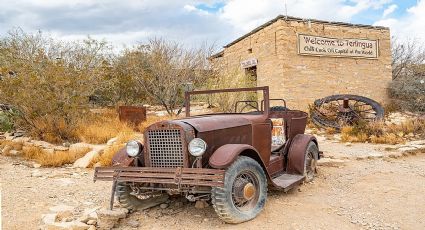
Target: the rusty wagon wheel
pixel 244 193
pixel 337 111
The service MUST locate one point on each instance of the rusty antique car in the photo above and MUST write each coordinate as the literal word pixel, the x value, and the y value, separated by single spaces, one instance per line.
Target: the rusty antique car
pixel 229 159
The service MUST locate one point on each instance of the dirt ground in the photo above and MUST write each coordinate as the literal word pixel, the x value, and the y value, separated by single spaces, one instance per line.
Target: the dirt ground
pixel 378 193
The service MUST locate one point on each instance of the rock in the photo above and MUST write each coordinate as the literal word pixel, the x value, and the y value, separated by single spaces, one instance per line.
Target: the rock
pixel 91 222
pixel 6 149
pixel 36 165
pixel 15 152
pixel 109 218
pixel 330 162
pixel 78 146
pixel 60 148
pixel 48 218
pixel 61 208
pixel 48 151
pixel 36 173
pixel 91 213
pixel 112 141
pixel 66 144
pixel 65 216
pixel 42 144
pixel 163 206
pixel 200 204
pixel 92 227
pixel 73 225
pixel 85 161
pixel 133 223
pixel 22 140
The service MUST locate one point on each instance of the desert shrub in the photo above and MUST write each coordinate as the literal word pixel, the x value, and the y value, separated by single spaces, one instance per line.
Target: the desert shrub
pixel 165 70
pixel 382 133
pixel 408 71
pixel 49 82
pixel 6 121
pixel 410 91
pixel 98 129
pixel 228 78
pixel 56 159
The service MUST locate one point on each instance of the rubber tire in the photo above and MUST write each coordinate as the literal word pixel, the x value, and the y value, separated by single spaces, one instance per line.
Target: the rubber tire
pixel 222 197
pixel 312 147
pixel 125 198
pixel 279 108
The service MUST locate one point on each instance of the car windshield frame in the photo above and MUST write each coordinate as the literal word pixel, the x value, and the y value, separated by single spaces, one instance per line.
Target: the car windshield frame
pixel 265 90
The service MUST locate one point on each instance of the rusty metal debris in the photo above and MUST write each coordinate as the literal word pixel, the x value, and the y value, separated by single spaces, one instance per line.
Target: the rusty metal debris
pixel 132 114
pixel 337 111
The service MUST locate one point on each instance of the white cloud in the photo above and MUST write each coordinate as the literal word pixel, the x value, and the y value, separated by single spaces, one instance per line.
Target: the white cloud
pixel 245 15
pixel 389 10
pixel 411 26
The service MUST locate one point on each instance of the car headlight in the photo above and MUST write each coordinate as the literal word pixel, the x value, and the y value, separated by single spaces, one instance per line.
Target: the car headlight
pixel 133 148
pixel 197 147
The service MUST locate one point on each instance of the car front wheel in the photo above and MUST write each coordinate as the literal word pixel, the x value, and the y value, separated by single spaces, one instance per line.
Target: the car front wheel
pixel 244 193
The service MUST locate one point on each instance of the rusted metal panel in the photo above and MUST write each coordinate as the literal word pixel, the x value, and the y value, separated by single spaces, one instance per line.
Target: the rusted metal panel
pixel 132 114
pixel 155 146
pixel 296 154
pixel 173 176
pixel 227 154
pixel 215 122
pixel 261 140
pixel 121 158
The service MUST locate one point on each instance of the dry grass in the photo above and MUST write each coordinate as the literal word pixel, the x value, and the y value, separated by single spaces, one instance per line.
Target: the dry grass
pixel 381 133
pixel 100 128
pixel 106 158
pixel 59 158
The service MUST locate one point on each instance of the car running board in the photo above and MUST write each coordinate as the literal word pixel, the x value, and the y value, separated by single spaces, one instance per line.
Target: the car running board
pixel 288 181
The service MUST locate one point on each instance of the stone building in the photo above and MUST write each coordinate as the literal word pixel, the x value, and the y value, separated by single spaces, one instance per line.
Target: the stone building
pixel 302 59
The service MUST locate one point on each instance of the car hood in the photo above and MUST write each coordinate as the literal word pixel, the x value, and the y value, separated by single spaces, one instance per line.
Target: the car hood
pixel 207 123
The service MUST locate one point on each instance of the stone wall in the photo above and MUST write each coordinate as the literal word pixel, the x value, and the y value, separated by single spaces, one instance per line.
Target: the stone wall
pixel 302 79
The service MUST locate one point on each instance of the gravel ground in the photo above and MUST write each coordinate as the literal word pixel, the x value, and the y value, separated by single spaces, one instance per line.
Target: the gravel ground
pixel 379 193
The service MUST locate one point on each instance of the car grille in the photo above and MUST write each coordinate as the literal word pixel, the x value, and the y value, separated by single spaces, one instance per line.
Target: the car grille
pixel 165 148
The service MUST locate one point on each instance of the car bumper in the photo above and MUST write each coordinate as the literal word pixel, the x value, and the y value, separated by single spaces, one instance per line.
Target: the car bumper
pixel 169 176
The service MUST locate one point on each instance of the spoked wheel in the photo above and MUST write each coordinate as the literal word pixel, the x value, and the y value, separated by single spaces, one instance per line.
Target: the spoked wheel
pixel 339 110
pixel 311 157
pixel 244 193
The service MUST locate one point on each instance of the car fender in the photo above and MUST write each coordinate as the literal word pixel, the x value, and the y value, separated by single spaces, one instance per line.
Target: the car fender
pixel 121 158
pixel 225 155
pixel 296 153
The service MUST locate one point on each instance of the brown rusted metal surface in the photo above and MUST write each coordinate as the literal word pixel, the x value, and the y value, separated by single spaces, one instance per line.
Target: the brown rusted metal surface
pixel 132 114
pixel 296 154
pixel 121 158
pixel 157 146
pixel 215 122
pixel 173 176
pixel 227 154
pixel 339 110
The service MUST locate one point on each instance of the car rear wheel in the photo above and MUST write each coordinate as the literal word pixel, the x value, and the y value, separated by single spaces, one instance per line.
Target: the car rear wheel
pixel 244 193
pixel 311 157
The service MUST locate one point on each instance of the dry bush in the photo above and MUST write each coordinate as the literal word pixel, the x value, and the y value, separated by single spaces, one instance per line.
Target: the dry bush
pixel 381 133
pixel 56 159
pixel 99 129
pixel 49 82
pixel 105 159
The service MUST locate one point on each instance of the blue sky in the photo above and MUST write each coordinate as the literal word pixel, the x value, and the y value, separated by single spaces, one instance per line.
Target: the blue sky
pixel 128 22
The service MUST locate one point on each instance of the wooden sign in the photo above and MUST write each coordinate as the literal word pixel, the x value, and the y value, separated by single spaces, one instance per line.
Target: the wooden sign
pixel 249 63
pixel 337 47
